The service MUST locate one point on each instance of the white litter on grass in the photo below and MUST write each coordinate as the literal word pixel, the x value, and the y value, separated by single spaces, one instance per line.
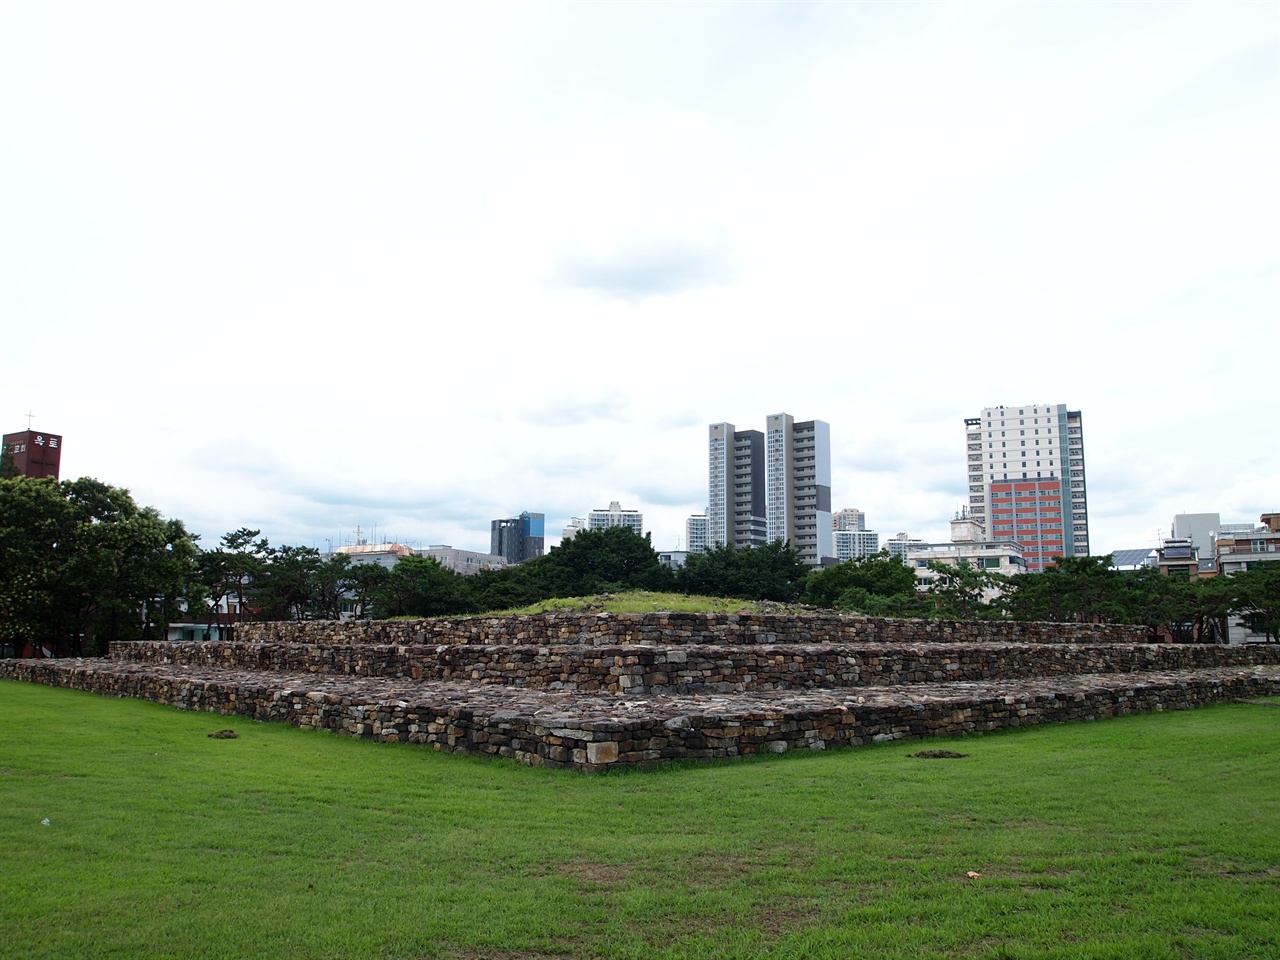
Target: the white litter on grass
pixel 44 822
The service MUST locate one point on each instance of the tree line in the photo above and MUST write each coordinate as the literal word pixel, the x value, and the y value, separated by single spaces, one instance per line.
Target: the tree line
pixel 82 565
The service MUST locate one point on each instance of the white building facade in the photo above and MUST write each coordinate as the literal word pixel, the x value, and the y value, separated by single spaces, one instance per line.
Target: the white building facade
pixel 615 516
pixel 853 544
pixel 695 533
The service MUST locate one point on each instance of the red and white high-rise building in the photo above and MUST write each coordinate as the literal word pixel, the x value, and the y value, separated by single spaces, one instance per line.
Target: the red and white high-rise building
pixel 1026 479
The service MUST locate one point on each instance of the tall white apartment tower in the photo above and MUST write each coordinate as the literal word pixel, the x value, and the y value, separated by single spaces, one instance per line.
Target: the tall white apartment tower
pixel 1027 480
pixel 797 484
pixel 774 485
pixel 735 494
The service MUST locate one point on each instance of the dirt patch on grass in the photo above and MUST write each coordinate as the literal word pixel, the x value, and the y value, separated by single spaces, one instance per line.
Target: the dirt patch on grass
pixel 785 915
pixel 776 918
pixel 1230 870
pixel 715 869
pixel 595 874
pixel 517 954
pixel 937 755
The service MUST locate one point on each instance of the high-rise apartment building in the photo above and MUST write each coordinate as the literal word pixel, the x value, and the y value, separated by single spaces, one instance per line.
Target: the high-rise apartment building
pixel 797 486
pixel 517 539
pixel 850 518
pixel 852 544
pixel 615 516
pixel 695 533
pixel 735 498
pixel 774 485
pixel 1026 479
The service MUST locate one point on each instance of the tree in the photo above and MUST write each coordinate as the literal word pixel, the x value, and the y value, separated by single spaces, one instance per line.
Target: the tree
pixel 245 559
pixel 81 565
pixel 422 587
pixel 285 587
pixel 1074 589
pixel 879 585
pixel 1256 598
pixel 598 561
pixel 771 572
pixel 959 591
pixel 507 589
pixel 216 583
pixel 8 469
pixel 365 580
pixel 1164 605
pixel 332 582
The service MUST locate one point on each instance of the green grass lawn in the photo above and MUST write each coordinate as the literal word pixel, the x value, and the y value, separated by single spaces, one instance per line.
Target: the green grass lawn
pixel 645 601
pixel 1148 836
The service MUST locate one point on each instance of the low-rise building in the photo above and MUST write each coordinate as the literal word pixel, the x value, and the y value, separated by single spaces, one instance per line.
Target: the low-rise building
pixel 967 548
pixel 674 558
pixel 384 554
pixel 1178 557
pixel 899 546
pixel 466 562
pixel 1237 550
pixel 575 527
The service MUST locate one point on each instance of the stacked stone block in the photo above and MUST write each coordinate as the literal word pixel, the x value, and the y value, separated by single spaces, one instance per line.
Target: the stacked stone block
pixel 592 692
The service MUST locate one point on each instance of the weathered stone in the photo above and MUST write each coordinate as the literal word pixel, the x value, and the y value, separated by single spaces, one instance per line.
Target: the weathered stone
pixel 603 752
pixel 723 688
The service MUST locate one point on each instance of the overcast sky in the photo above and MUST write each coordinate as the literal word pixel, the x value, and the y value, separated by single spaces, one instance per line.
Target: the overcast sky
pixel 307 267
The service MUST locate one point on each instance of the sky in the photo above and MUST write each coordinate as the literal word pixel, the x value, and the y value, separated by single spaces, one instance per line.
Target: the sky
pixel 410 267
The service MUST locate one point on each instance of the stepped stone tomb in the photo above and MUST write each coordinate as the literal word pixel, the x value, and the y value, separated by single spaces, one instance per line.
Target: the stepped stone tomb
pixel 596 691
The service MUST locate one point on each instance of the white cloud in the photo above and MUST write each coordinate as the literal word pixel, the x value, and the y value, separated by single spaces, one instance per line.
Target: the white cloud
pixel 307 266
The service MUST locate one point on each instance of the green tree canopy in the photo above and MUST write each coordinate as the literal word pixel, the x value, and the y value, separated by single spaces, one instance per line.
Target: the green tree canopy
pixel 960 590
pixel 879 585
pixel 82 565
pixel 771 572
pixel 1074 589
pixel 596 561
pixel 1255 596
pixel 422 587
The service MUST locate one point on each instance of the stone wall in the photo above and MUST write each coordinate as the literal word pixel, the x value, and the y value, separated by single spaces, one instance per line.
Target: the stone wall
pixel 592 744
pixel 697 668
pixel 627 629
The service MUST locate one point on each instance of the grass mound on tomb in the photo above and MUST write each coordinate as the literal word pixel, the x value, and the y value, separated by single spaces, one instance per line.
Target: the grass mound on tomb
pixel 1153 836
pixel 642 601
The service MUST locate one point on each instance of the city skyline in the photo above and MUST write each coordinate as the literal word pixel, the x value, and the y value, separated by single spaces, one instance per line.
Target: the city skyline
pixel 256 244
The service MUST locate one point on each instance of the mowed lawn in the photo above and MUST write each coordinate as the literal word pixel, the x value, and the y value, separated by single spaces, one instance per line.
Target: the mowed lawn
pixel 1148 836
